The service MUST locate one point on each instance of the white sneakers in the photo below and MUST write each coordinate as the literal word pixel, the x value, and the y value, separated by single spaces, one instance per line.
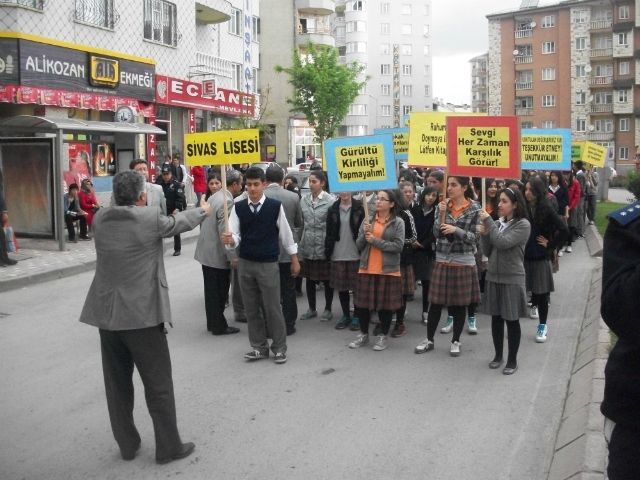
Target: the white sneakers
pixel 534 313
pixel 447 326
pixel 471 326
pixel 455 349
pixel 382 343
pixel 425 346
pixel 541 337
pixel 360 341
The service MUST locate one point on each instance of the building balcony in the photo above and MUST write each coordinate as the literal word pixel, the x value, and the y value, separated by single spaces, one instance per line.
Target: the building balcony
pixel 524 111
pixel 317 7
pixel 478 71
pixel 479 88
pixel 479 103
pixel 524 33
pixel 207 64
pixel 623 108
pixel 523 59
pixel 600 24
pixel 213 11
pixel 602 108
pixel 608 80
pixel 601 136
pixel 317 36
pixel 524 86
pixel 601 52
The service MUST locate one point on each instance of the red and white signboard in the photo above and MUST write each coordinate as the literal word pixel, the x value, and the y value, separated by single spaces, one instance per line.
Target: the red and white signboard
pixel 151 151
pixel 182 93
pixel 191 113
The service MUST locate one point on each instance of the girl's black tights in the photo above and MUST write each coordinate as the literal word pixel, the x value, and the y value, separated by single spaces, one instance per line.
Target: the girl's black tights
pixel 425 295
pixel 456 311
pixel 344 303
pixel 311 294
pixel 364 315
pixel 513 338
pixel 541 300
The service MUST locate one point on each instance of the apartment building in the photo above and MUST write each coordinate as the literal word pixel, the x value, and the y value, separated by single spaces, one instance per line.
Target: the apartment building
pixel 390 38
pixel 85 59
pixel 572 64
pixel 479 85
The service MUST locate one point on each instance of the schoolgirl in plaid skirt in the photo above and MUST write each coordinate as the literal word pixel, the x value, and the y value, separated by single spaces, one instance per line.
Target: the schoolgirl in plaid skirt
pixel 454 281
pixel 379 283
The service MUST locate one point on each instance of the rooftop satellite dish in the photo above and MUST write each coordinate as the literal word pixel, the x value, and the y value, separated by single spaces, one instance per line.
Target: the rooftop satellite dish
pixel 518 103
pixel 591 98
pixel 587 68
pixel 591 128
pixel 533 24
pixel 516 52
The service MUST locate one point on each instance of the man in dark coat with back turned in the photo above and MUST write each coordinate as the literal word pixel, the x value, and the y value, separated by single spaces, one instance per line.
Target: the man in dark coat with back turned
pixel 129 301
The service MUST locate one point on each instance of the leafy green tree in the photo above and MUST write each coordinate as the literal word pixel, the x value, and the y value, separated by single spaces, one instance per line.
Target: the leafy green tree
pixel 322 88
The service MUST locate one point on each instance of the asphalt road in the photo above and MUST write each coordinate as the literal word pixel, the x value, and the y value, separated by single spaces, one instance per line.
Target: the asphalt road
pixel 329 412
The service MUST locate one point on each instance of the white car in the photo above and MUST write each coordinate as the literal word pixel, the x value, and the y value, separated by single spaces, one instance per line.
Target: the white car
pixel 301 167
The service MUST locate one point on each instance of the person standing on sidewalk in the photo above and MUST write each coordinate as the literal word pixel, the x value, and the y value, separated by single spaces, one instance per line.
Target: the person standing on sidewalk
pixel 621 281
pixel 581 177
pixel 505 298
pixel 343 224
pixel 573 189
pixel 129 301
pixel 174 196
pixel 379 285
pixel 548 232
pixel 258 225
pixel 4 220
pixel 424 247
pixel 291 205
pixel 592 194
pixel 454 282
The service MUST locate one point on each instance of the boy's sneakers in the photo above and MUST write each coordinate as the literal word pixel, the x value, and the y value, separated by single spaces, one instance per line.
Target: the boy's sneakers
pixel 360 341
pixel 472 326
pixel 255 355
pixel 447 326
pixel 281 357
pixel 541 337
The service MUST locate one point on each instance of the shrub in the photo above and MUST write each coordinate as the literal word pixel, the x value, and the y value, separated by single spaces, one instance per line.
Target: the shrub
pixel 634 184
pixel 620 181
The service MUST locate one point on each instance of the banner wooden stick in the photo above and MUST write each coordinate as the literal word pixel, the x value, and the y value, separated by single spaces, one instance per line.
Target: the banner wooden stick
pixel 443 214
pixel 223 180
pixel 366 206
pixel 483 189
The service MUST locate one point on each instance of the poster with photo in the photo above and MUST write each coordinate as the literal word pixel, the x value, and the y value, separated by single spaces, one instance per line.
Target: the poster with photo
pixel 104 163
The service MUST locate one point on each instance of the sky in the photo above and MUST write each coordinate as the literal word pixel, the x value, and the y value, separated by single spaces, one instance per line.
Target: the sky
pixel 459 32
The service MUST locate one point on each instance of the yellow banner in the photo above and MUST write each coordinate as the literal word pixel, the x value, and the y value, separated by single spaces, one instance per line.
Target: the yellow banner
pixel 428 138
pixel 222 148
pixel 400 143
pixel 542 148
pixel 361 163
pixel 483 147
pixel 594 154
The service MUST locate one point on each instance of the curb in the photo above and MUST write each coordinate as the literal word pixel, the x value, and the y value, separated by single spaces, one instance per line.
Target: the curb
pixel 594 240
pixel 580 452
pixel 67 271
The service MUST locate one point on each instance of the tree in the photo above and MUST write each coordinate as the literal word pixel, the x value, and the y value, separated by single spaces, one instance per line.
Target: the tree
pixel 322 88
pixel 259 120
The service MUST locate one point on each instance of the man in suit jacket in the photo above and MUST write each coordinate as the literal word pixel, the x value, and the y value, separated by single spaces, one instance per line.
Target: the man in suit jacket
pixel 128 301
pixel 155 195
pixel 215 259
pixel 291 204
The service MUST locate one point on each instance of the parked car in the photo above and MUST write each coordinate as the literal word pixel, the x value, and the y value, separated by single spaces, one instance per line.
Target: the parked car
pixel 301 167
pixel 265 165
pixel 303 181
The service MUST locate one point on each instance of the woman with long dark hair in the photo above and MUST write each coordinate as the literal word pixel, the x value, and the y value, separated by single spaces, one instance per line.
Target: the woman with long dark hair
pixel 548 232
pixel 574 190
pixel 455 277
pixel 558 189
pixel 379 284
pixel 503 242
pixel 214 184
pixel 424 248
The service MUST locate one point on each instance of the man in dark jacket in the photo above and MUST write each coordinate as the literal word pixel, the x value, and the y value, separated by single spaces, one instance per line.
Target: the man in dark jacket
pixel 621 280
pixel 4 219
pixel 174 195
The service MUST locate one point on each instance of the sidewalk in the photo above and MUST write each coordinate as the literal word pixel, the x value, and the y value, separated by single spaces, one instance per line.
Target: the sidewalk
pixel 40 261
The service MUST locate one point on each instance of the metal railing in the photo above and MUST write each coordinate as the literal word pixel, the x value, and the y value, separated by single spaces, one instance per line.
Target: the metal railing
pixel 601 136
pixel 597 24
pixel 37 4
pixel 601 107
pixel 207 63
pixel 523 59
pixel 606 80
pixel 601 52
pixel 524 111
pixel 524 33
pixel 318 30
pixel 524 86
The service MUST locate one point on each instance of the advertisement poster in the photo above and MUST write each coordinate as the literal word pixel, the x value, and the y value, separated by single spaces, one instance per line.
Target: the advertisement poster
pixel 104 163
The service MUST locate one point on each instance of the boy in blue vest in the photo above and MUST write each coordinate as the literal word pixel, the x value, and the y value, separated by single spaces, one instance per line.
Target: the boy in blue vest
pixel 255 226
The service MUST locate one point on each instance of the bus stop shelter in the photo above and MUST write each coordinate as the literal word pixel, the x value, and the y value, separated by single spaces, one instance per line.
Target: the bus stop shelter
pixel 57 130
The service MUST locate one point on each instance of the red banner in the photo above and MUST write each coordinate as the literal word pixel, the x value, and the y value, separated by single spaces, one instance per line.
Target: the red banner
pixel 60 98
pixel 151 151
pixel 182 93
pixel 191 113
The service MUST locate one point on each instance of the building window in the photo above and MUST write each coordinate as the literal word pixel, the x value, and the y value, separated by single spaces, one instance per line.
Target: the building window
pixel 406 109
pixel 526 125
pixel 356 5
pixel 255 28
pixel 96 12
pixel 427 70
pixel 235 22
pixel 385 69
pixel 623 95
pixel 341 31
pixel 623 68
pixel 623 12
pixel 548 73
pixel 581 98
pixel 604 42
pixel 406 69
pixel 622 39
pixel 624 153
pixel 357 109
pixel 425 30
pixel 236 76
pixel 363 90
pixel 406 9
pixel 385 28
pixel 385 89
pixel 581 125
pixel 604 15
pixel 604 70
pixel 356 130
pixel 425 50
pixel 548 100
pixel 548 21
pixel 581 43
pixel 425 10
pixel 603 126
pixel 384 8
pixel 624 124
pixel 548 47
pixel 426 90
pixel 385 110
pixel 548 124
pixel 385 49
pixel 356 27
pixel 406 49
pixel 580 16
pixel 35 4
pixel 160 20
pixel 604 97
pixel 580 71
pixel 356 47
pixel 407 90
pixel 406 29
